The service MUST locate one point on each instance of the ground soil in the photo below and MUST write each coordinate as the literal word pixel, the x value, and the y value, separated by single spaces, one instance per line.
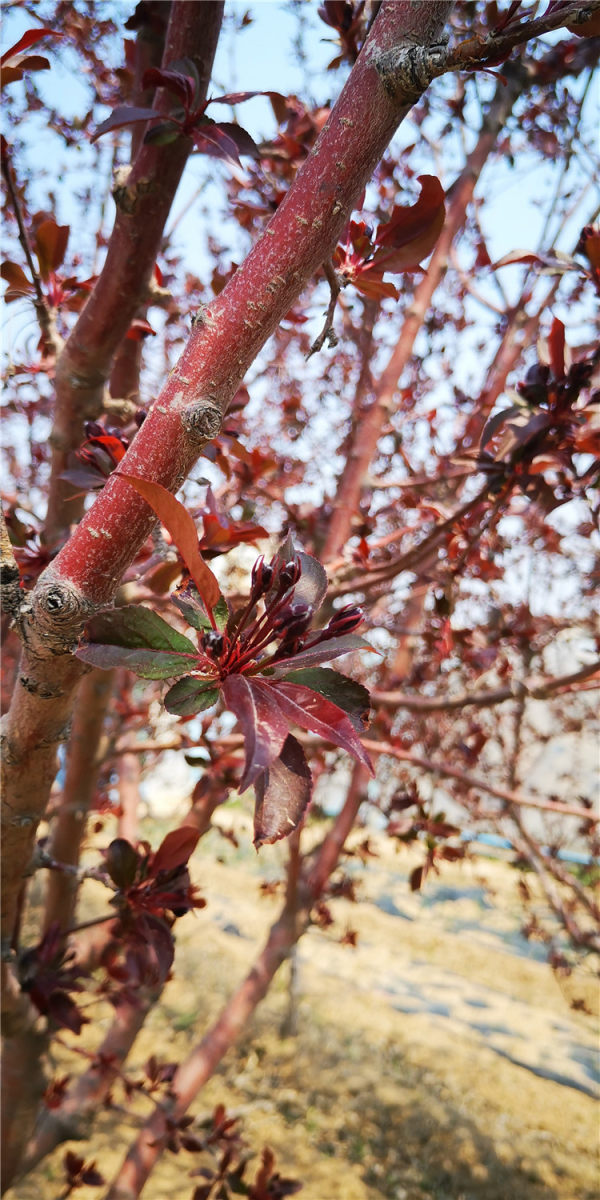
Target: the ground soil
pixel 438 1059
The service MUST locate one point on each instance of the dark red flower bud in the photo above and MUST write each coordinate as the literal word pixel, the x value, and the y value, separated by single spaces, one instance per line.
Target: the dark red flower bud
pixel 262 576
pixel 293 620
pixel 94 429
pixel 213 643
pixel 289 574
pixel 345 620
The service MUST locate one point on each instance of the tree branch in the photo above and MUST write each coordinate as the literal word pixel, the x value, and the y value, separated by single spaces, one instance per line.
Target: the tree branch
pixel 301 235
pixel 480 785
pixel 327 332
pixel 143 203
pixel 45 314
pixel 529 688
pixel 477 53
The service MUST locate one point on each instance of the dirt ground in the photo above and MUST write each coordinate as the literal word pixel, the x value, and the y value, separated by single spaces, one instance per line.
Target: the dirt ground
pixel 439 1059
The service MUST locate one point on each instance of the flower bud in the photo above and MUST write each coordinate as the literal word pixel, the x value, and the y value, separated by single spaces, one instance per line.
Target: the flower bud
pixel 345 620
pixel 289 574
pixel 293 620
pixel 213 643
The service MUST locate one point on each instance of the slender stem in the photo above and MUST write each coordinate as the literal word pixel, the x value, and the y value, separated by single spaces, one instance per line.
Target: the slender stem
pixel 526 687
pixel 327 332
pixel 480 785
pixel 45 314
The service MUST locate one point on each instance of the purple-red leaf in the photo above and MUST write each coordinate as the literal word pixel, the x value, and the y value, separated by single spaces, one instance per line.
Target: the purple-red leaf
pixel 282 794
pixel 123 115
pixel 313 712
pixel 412 232
pixel 28 39
pixel 175 849
pixel 244 142
pixel 122 862
pixel 497 420
pixel 349 695
pixel 257 707
pixel 175 82
pixel 180 525
pixel 211 139
pixel 324 652
pixel 240 97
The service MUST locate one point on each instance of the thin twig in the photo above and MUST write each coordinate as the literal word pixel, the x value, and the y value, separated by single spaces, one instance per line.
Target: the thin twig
pixel 477 53
pixel 327 333
pixel 44 313
pixel 526 688
pixel 482 785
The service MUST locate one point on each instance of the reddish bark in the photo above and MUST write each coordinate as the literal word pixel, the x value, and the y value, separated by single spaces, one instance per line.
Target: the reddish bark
pixel 300 236
pixel 82 767
pixel 87 1093
pixel 129 796
pixel 143 204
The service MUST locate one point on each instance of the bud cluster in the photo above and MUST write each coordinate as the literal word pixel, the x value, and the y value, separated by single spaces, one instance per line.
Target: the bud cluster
pixel 281 619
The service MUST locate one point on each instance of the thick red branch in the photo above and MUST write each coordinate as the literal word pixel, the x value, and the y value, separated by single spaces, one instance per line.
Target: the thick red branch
pixel 223 343
pixel 143 202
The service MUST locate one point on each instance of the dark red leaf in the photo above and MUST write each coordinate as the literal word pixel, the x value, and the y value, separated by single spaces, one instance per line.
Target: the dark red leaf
pixel 64 1012
pixel 50 241
pixel 177 520
pixel 210 139
pixel 412 232
pixel 556 346
pixel 240 97
pixel 282 794
pixel 123 115
pixel 497 420
pixel 416 879
pixel 313 712
pixel 258 710
pixel 242 139
pixel 345 692
pixel 28 39
pixel 175 82
pixel 324 652
pixel 175 849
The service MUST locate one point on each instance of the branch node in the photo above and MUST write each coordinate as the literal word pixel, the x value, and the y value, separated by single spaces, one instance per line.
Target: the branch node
pixel 406 71
pixel 127 196
pixel 202 421
pixel 58 613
